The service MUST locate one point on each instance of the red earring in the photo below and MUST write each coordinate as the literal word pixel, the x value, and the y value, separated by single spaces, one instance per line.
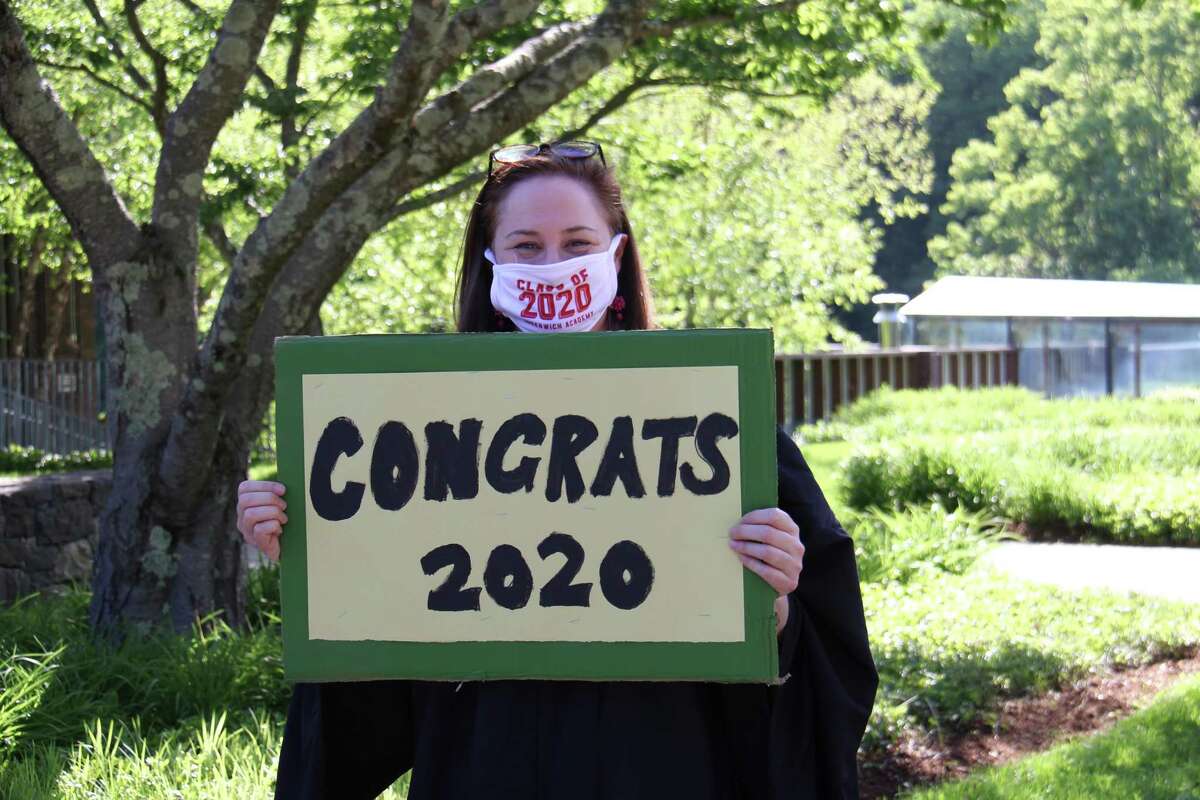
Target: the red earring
pixel 618 305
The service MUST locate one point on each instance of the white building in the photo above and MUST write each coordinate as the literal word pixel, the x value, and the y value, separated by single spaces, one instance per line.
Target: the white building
pixel 1073 337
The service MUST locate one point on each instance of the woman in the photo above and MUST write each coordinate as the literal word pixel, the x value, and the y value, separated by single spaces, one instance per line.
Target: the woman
pixel 544 212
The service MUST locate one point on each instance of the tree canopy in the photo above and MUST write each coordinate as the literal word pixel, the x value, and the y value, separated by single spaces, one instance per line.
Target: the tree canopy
pixel 222 165
pixel 1093 169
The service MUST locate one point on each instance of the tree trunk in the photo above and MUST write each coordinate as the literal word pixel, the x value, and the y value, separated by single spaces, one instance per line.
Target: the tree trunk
pixel 187 563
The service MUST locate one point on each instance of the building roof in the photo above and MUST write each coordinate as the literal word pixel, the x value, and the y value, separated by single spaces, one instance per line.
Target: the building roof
pixel 978 296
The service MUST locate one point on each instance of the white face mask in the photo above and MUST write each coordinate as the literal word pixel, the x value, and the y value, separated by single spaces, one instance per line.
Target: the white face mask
pixel 566 296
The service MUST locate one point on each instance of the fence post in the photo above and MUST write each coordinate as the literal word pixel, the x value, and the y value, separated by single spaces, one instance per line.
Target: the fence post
pixel 781 396
pixel 844 374
pixel 799 387
pixel 816 389
pixel 826 386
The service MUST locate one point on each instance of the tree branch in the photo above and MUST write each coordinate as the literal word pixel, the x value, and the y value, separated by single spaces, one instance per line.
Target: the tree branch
pixel 203 15
pixel 438 195
pixel 603 42
pixel 289 133
pixel 620 98
pixel 411 72
pixel 489 79
pixel 100 79
pixel 33 117
pixel 479 22
pixel 110 36
pixel 472 179
pixel 211 100
pixel 162 85
pixel 220 240
pixel 726 87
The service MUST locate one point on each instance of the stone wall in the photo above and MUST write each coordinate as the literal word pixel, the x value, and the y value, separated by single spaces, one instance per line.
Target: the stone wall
pixel 48 529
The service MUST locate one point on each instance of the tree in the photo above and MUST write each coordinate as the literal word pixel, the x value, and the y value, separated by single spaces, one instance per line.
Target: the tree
pixel 1093 171
pixel 760 224
pixel 969 74
pixel 439 83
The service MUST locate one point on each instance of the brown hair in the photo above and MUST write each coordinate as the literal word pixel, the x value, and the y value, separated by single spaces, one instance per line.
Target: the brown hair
pixel 472 300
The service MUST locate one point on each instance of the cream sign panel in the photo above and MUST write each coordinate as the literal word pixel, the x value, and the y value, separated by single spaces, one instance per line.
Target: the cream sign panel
pixel 590 505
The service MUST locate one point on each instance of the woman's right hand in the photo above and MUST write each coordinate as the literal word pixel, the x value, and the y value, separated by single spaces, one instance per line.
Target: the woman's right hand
pixel 261 515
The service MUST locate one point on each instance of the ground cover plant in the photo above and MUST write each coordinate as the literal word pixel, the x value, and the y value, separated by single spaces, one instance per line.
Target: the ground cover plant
pixel 948 651
pixel 1153 755
pixel 1107 469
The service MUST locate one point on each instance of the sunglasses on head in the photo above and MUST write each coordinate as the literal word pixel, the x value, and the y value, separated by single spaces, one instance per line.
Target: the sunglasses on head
pixel 516 153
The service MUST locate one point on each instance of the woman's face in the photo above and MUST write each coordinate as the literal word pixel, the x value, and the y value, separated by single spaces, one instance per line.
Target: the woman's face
pixel 550 218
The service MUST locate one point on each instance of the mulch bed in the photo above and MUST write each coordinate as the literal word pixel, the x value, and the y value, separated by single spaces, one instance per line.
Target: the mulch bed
pixel 1025 725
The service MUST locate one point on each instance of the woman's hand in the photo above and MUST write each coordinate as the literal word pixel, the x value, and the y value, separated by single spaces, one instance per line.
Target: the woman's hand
pixel 767 541
pixel 260 515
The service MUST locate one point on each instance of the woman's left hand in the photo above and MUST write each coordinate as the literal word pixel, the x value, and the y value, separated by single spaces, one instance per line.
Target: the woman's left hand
pixel 767 541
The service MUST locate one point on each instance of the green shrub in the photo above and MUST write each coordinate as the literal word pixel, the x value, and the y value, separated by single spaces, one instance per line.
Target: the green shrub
pixel 20 459
pixel 887 414
pixel 1076 484
pixel 918 543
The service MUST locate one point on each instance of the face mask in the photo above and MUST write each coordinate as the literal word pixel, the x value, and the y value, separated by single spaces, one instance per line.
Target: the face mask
pixel 567 296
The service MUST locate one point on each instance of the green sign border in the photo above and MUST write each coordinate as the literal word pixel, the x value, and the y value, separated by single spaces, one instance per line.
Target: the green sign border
pixel 750 350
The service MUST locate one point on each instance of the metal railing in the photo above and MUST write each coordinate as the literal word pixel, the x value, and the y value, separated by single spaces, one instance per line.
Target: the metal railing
pixel 51 405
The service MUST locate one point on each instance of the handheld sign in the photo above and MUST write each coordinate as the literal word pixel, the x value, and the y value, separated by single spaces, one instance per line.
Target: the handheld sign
pixel 508 505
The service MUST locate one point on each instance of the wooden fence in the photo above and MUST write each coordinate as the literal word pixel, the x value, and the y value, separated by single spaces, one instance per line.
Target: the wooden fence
pixel 811 386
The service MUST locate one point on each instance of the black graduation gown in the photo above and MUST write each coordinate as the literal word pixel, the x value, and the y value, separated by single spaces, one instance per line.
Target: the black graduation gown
pixel 589 740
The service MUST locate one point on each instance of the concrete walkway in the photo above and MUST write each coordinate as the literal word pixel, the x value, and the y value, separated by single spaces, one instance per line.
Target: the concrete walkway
pixel 1170 572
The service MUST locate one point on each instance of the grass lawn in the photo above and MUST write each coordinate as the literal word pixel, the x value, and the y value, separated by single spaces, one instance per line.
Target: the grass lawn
pixel 1152 755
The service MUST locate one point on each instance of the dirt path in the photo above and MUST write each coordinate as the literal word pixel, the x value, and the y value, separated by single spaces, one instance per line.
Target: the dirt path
pixel 1025 726
pixel 1171 572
